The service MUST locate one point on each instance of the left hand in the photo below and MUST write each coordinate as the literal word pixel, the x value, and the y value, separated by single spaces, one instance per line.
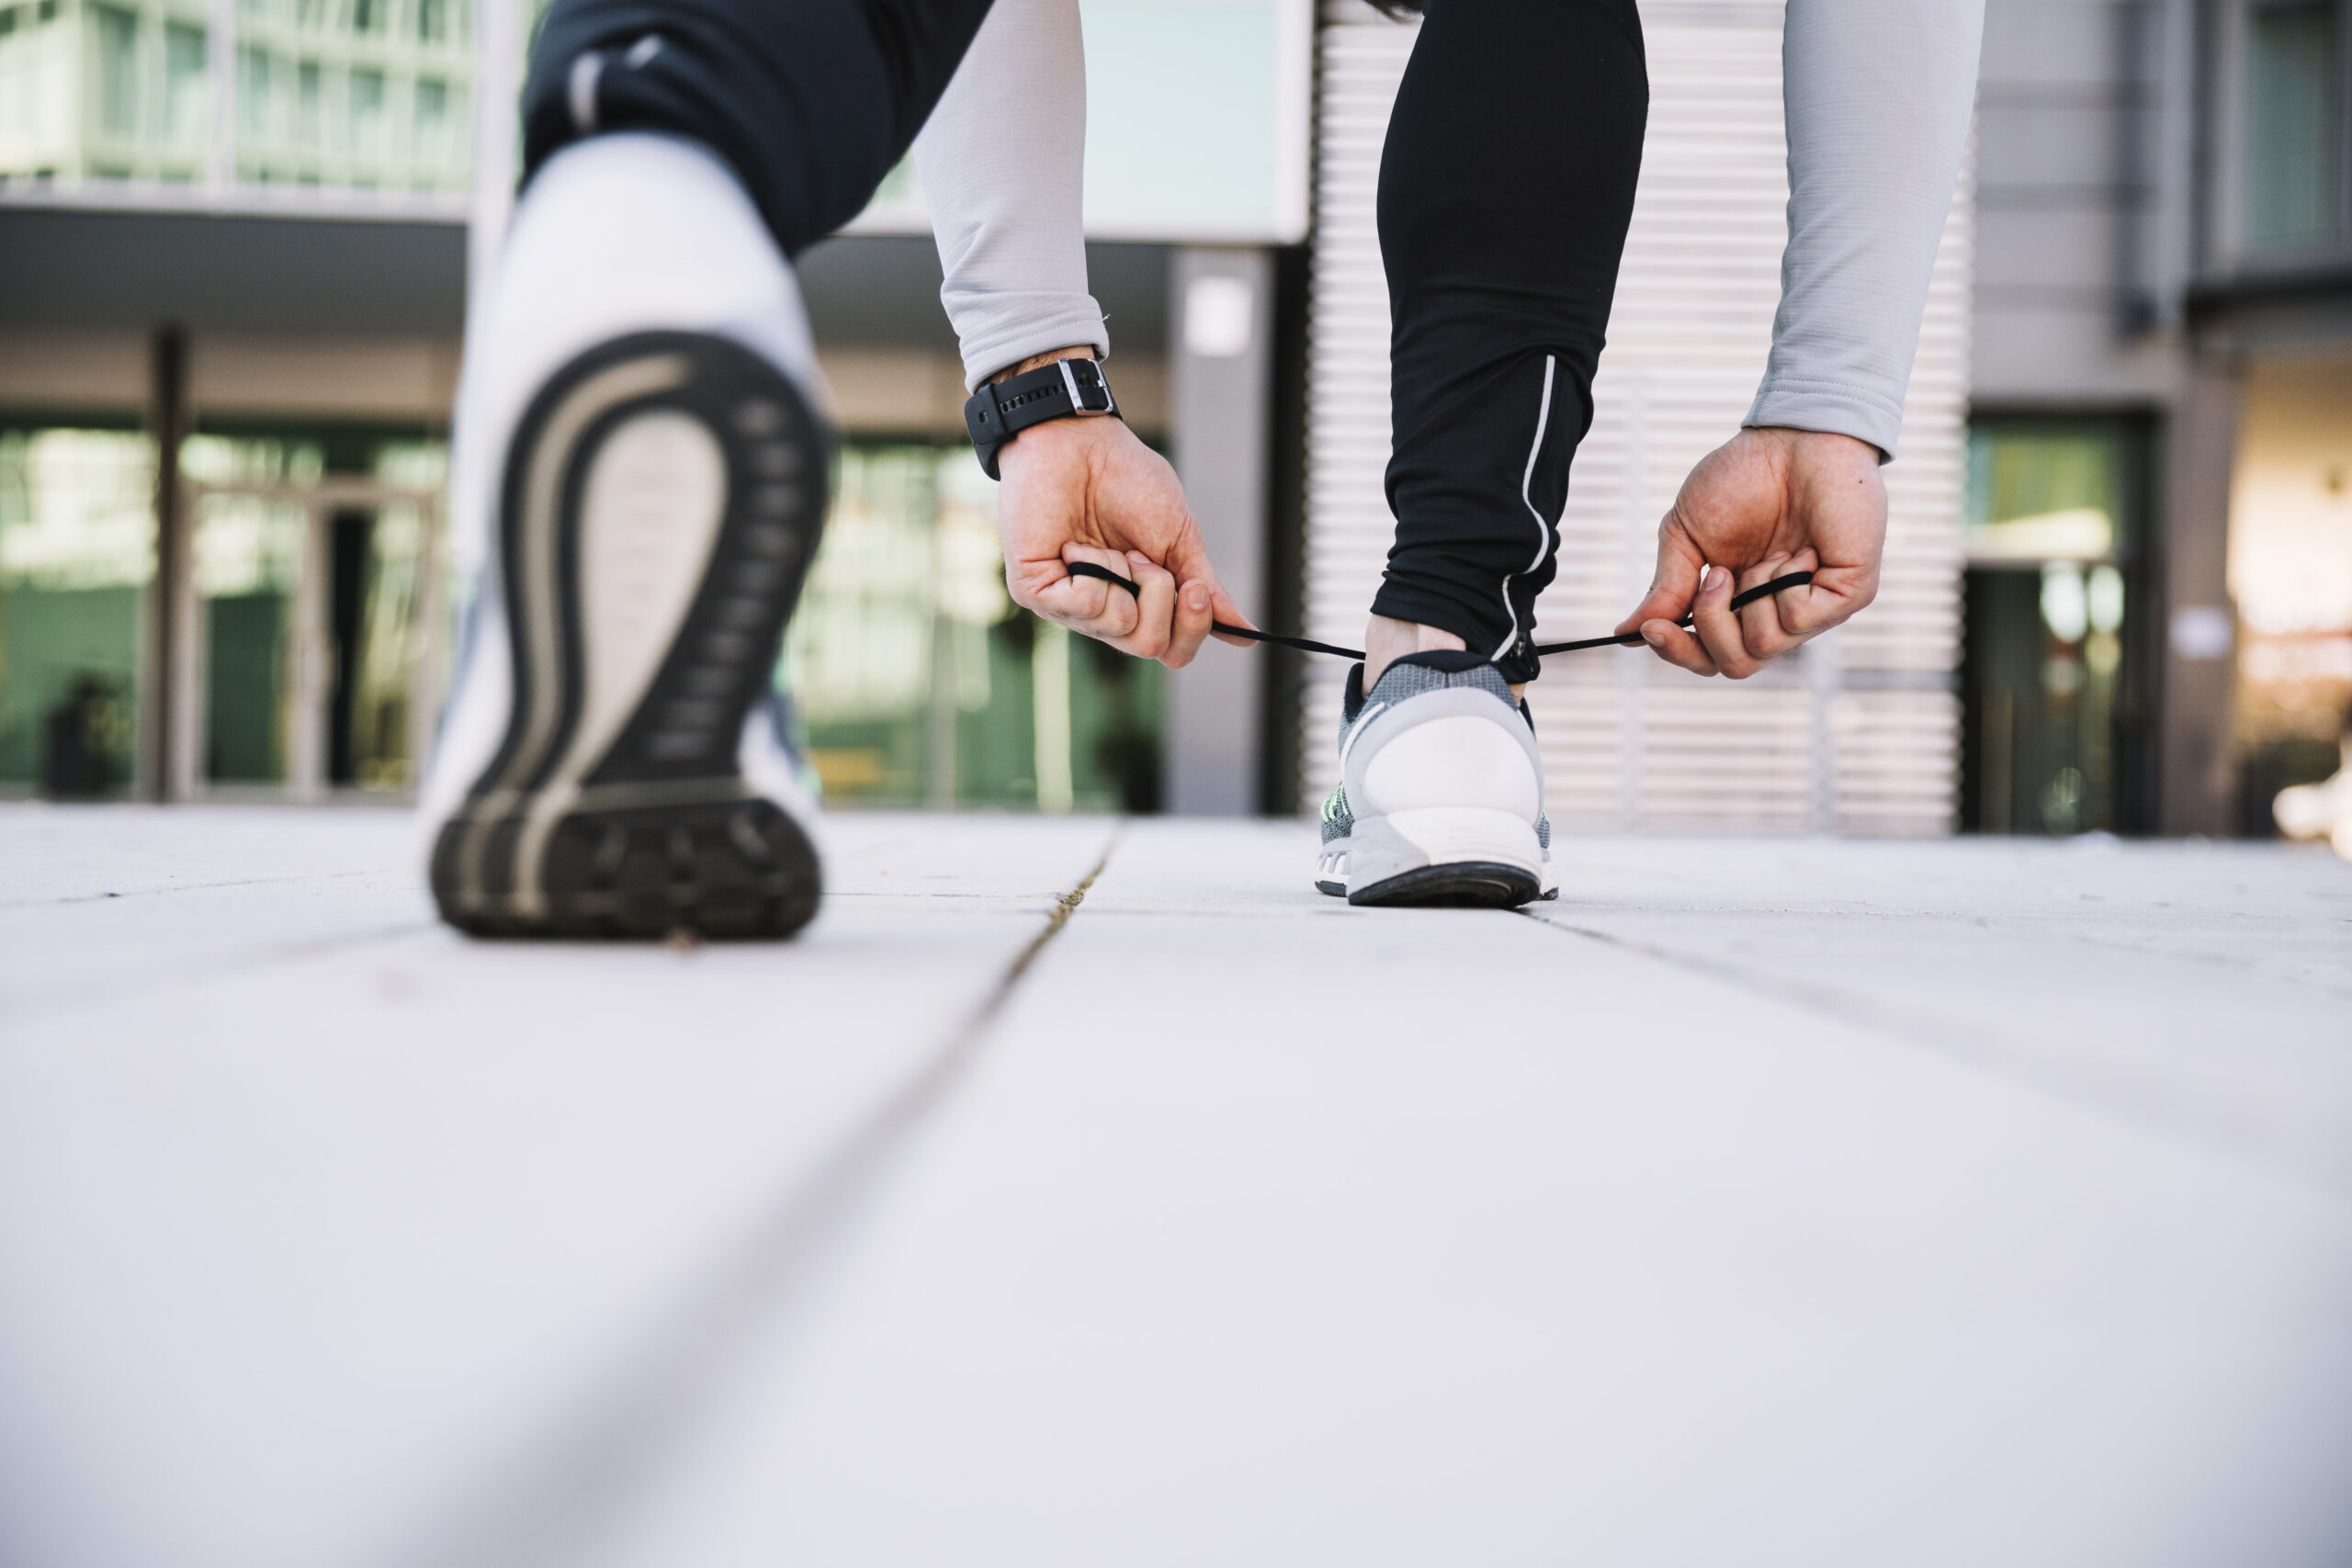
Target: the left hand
pixel 1765 503
pixel 1089 490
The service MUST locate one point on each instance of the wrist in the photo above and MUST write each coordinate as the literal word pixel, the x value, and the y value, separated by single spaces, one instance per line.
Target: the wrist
pixel 1074 351
pixel 1817 443
pixel 1061 442
pixel 1059 384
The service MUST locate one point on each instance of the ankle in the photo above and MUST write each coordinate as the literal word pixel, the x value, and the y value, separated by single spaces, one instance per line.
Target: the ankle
pixel 1385 641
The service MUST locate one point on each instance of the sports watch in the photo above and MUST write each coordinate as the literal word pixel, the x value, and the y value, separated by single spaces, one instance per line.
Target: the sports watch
pixel 1064 389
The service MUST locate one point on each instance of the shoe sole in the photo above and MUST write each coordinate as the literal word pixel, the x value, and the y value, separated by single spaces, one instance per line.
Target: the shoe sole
pixel 1471 857
pixel 671 488
pixel 1331 880
pixel 1461 885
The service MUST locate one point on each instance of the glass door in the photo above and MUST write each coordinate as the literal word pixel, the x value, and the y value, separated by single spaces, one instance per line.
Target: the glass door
pixel 2054 672
pixel 316 639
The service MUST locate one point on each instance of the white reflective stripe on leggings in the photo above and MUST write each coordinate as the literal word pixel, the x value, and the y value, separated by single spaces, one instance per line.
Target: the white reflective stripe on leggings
pixel 1526 479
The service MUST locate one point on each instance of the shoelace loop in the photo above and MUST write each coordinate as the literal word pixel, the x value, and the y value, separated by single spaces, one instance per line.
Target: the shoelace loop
pixel 1542 650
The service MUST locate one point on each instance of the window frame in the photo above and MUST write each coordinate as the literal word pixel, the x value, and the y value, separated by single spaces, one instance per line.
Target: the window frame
pixel 2229 251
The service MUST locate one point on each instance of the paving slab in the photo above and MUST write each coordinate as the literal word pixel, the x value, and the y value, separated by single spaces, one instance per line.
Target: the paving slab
pixel 1758 1201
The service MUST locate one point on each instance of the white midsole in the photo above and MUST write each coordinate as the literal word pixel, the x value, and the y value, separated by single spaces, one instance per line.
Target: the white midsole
pixel 1401 841
pixel 1447 834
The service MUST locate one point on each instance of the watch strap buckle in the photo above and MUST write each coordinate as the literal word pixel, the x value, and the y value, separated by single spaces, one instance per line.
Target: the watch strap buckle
pixel 1079 385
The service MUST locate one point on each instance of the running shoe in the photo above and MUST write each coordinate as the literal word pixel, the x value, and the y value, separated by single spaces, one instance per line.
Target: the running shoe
pixel 1441 794
pixel 612 762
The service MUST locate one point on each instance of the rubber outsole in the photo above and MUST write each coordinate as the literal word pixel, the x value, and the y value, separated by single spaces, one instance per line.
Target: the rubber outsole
pixel 1464 885
pixel 660 833
pixel 743 870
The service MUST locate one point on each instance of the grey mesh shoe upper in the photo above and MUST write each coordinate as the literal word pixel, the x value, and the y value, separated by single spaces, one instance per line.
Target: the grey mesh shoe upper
pixel 1409 677
pixel 1419 673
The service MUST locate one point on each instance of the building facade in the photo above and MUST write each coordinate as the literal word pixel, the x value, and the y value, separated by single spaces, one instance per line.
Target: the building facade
pixel 269 283
pixel 2160 539
pixel 2118 592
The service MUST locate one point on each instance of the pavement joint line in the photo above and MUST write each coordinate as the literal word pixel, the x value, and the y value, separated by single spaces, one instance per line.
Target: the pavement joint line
pixel 1055 919
pixel 2065 925
pixel 547 1502
pixel 186 887
pixel 2140 1101
pixel 301 951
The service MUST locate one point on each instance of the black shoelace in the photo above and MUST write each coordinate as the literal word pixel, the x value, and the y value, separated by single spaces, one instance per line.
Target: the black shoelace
pixel 1542 650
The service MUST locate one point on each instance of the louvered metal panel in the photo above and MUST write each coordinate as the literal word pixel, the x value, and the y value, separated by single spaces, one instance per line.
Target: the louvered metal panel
pixel 1859 733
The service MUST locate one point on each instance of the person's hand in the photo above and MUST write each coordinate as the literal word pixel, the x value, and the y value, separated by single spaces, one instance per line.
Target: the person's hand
pixel 1765 503
pixel 1088 490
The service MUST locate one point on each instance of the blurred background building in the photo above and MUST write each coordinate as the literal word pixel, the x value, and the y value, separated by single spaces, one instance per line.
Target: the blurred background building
pixel 2159 534
pixel 2119 583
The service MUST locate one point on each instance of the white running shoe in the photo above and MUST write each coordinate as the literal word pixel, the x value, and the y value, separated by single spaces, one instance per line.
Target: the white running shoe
pixel 1440 796
pixel 641 481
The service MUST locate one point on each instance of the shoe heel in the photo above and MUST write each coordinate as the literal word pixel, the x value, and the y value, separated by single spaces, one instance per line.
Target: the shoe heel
pixel 1466 855
pixel 663 502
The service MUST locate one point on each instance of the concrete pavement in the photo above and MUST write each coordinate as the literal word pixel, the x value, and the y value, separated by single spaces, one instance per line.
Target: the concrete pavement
pixel 1759 1202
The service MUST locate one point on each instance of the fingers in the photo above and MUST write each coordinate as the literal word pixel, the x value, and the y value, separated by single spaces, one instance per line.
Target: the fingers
pixel 1767 624
pixel 1192 627
pixel 1678 647
pixel 1152 625
pixel 1675 583
pixel 1672 588
pixel 1085 603
pixel 1724 631
pixel 1164 619
pixel 1222 608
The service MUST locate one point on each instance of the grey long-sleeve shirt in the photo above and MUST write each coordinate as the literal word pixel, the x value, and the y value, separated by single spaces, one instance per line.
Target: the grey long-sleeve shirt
pixel 1003 164
pixel 1877 96
pixel 1877 93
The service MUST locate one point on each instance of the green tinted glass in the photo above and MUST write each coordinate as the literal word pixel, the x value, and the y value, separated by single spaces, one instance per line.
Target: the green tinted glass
pixel 2040 494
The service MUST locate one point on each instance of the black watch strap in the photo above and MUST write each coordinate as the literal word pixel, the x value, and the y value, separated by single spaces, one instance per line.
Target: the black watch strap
pixel 1066 388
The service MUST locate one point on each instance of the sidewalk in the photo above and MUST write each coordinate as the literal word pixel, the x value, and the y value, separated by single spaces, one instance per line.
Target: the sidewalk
pixel 1793 1202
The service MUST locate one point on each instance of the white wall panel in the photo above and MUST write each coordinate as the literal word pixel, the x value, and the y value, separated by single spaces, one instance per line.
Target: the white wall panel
pixel 1858 734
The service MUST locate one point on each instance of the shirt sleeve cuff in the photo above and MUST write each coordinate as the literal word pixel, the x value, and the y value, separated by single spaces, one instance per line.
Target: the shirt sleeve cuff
pixel 1020 326
pixel 1789 403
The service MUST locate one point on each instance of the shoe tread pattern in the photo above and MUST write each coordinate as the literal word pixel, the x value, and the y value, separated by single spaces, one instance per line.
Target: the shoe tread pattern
pixel 664 836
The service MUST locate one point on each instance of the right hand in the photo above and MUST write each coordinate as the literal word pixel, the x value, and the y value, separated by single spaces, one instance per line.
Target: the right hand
pixel 1765 503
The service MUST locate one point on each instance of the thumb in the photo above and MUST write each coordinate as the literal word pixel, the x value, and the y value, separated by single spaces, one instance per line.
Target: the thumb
pixel 1676 584
pixel 1225 610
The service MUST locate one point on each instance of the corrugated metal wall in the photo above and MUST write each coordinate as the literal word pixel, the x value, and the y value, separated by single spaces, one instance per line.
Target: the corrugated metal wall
pixel 1857 735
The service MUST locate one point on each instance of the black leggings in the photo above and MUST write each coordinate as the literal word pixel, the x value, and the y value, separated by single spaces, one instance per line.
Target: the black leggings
pixel 811 102
pixel 1504 191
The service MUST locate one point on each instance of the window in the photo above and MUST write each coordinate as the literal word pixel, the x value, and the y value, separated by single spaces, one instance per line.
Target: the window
pixel 184 99
pixel 309 129
pixel 431 124
pixel 2294 129
pixel 253 83
pixel 432 21
pixel 76 550
pixel 918 682
pixel 2041 496
pixel 367 115
pixel 117 71
pixel 2050 664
